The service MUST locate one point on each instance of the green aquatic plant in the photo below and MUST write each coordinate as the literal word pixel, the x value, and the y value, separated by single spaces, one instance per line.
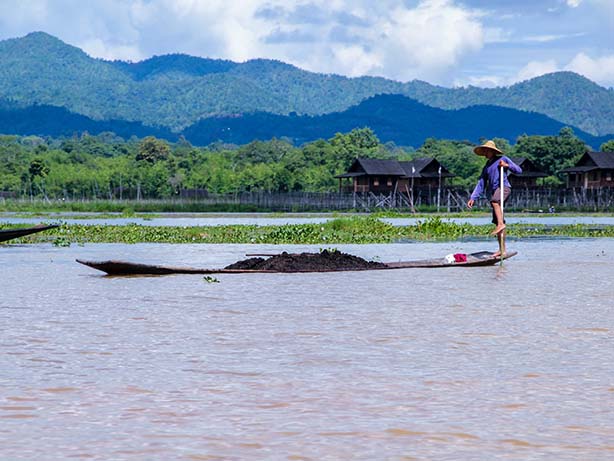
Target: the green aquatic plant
pixel 437 229
pixel 343 230
pixel 61 241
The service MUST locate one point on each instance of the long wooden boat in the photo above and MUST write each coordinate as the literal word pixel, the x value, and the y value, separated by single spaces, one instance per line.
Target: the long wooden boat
pixel 10 234
pixel 114 267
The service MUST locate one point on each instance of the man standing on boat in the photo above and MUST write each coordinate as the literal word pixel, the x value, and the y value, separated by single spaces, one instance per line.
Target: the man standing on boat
pixel 489 183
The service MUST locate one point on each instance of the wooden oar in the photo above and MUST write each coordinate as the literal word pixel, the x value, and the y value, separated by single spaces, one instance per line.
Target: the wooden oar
pixel 502 196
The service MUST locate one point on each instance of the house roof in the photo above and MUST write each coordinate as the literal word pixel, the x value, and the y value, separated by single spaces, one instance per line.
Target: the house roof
pixel 592 161
pixel 579 169
pixel 425 167
pixel 422 168
pixel 603 160
pixel 377 167
pixel 529 170
pixel 351 175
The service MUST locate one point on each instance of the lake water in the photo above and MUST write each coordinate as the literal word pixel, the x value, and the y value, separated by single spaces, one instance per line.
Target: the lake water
pixel 509 362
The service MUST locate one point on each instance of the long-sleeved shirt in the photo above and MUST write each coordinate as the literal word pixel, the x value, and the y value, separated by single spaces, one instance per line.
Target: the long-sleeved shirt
pixel 489 179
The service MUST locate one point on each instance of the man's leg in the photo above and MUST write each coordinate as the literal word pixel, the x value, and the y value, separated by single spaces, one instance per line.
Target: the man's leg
pixel 496 206
pixel 501 239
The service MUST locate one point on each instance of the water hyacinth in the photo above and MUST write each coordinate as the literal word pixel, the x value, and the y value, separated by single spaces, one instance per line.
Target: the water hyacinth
pixel 337 231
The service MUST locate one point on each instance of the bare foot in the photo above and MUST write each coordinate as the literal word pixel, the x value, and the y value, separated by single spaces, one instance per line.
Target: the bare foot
pixel 498 229
pixel 497 254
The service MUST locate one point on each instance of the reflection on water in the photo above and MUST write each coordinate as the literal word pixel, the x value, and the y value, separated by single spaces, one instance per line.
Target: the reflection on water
pixel 503 362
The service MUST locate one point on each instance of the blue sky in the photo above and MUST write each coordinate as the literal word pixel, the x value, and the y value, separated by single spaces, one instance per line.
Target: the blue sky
pixel 446 42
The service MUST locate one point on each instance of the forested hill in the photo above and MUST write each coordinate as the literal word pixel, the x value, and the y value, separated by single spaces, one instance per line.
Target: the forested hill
pixel 176 91
pixel 564 96
pixel 393 118
pixel 58 122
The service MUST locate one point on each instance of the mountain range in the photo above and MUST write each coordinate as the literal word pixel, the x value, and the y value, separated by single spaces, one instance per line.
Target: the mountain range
pixel 49 87
pixel 392 117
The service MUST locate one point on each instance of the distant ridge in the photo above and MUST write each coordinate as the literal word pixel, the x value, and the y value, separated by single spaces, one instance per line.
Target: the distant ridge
pixel 178 91
pixel 53 121
pixel 564 96
pixel 170 63
pixel 394 118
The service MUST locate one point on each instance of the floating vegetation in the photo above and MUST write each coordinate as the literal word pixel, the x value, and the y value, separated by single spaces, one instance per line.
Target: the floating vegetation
pixel 343 230
pixel 61 241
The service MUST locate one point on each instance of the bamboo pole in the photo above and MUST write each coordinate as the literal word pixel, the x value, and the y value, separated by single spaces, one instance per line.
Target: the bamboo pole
pixel 502 196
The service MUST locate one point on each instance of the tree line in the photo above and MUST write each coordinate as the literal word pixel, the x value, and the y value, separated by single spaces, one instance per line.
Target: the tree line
pixel 106 166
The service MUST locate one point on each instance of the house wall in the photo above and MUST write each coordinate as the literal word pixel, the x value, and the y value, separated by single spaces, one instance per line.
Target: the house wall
pixel 516 181
pixel 600 178
pixel 421 182
pixel 377 184
pixel 592 179
pixel 387 184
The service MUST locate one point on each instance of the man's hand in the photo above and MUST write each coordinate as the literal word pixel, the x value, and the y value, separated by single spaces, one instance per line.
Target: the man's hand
pixel 470 203
pixel 503 163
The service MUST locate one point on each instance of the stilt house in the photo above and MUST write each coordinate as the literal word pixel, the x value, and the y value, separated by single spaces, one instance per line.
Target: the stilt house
pixel 592 171
pixel 386 176
pixel 529 176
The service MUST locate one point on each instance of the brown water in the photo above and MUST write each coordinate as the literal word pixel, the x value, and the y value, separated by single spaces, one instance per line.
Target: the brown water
pixel 511 362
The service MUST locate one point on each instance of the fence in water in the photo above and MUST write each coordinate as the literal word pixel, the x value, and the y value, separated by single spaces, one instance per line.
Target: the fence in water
pixel 426 199
pixel 422 199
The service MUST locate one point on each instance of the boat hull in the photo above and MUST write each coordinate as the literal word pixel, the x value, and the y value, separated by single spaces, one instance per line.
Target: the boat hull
pixel 11 234
pixel 114 267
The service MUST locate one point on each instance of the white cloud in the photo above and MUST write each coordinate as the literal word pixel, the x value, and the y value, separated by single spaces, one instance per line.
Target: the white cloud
pixel 483 81
pixel 600 69
pixel 551 38
pixel 574 3
pixel 396 41
pixel 535 69
pixel 101 49
pixel 356 59
pixel 429 39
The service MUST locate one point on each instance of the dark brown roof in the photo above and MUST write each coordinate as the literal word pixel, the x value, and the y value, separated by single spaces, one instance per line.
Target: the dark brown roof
pixel 529 170
pixel 351 175
pixel 377 166
pixel 579 169
pixel 423 168
pixel 604 160
pixel 592 161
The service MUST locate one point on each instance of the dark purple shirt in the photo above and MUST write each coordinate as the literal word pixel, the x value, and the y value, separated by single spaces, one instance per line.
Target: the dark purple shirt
pixel 489 179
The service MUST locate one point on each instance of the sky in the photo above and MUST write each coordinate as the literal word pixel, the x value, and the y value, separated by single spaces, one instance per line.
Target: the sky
pixel 451 43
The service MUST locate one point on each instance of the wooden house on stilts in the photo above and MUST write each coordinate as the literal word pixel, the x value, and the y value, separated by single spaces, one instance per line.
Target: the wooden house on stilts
pixel 390 180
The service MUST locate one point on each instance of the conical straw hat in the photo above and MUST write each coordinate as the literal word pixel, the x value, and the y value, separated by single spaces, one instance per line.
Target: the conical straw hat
pixel 488 145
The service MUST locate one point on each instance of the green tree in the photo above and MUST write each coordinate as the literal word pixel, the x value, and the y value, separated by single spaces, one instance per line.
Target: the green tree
pixel 360 142
pixel 152 150
pixel 551 153
pixel 607 146
pixel 264 151
pixel 457 157
pixel 38 170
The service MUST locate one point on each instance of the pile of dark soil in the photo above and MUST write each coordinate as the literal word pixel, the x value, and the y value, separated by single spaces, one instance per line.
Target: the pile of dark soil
pixel 307 262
